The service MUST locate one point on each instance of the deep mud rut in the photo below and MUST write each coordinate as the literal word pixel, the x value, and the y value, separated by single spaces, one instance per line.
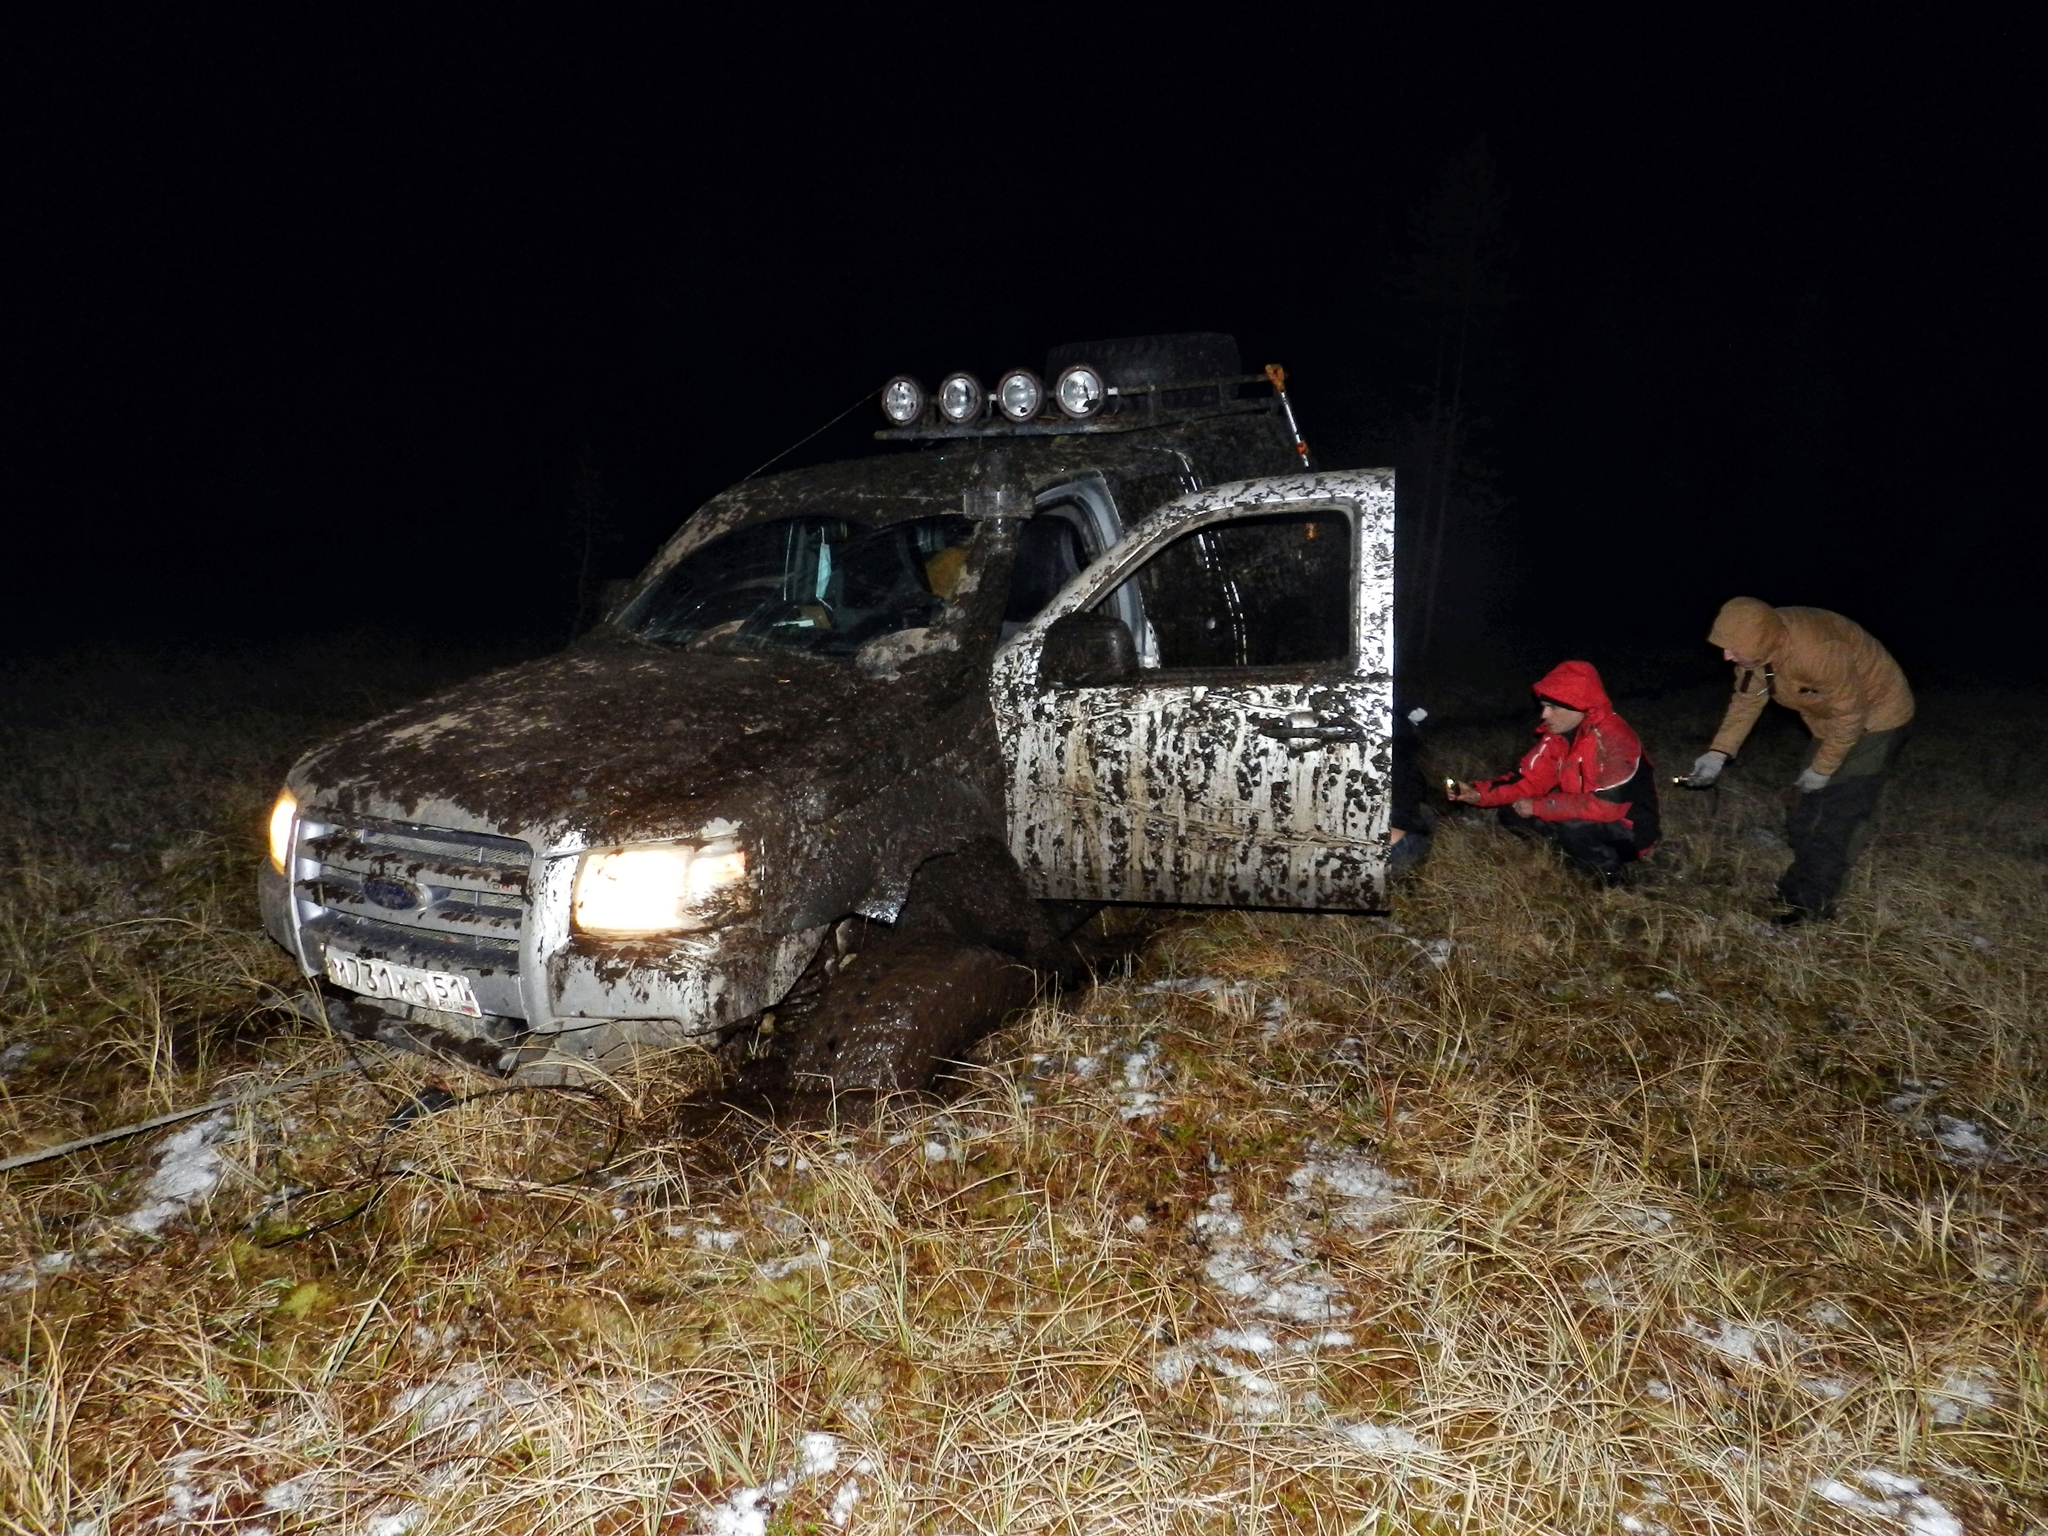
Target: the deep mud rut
pixel 882 1012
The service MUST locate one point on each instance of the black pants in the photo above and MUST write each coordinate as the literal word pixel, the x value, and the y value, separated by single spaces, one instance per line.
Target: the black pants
pixel 1829 828
pixel 1602 848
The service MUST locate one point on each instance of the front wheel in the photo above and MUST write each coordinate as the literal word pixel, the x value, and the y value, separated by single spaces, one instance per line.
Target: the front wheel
pixel 903 1007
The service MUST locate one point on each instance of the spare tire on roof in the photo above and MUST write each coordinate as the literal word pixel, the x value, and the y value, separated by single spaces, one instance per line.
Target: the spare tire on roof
pixel 1134 360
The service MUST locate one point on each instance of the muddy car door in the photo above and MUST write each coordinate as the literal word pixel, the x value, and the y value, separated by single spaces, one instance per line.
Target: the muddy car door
pixel 1233 746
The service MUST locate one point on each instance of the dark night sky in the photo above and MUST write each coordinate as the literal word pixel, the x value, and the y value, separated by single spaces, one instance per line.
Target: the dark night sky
pixel 310 318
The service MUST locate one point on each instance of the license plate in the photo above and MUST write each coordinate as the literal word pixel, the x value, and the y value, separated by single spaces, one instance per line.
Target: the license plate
pixel 442 990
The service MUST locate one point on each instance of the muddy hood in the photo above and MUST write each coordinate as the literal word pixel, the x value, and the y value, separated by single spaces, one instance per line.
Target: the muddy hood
pixel 612 744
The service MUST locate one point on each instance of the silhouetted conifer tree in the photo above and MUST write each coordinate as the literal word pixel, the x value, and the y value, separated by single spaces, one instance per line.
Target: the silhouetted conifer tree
pixel 1453 281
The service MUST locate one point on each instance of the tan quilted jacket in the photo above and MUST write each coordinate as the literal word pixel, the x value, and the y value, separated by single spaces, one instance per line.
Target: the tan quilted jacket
pixel 1827 667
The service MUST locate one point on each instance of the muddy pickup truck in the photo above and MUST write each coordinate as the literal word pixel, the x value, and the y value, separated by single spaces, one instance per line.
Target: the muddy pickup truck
pixel 865 744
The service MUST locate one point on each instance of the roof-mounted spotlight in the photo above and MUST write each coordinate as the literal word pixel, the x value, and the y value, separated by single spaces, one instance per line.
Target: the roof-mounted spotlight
pixel 961 398
pixel 903 400
pixel 1019 395
pixel 1080 391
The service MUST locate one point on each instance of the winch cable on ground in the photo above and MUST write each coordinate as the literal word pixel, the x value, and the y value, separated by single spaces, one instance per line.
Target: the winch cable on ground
pixel 384 1174
pixel 119 1133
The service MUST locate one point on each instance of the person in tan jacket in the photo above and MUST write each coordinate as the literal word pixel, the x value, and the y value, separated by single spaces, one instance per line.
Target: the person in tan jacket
pixel 1857 704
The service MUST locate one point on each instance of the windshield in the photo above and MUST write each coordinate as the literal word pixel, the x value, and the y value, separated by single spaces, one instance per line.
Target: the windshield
pixel 819 584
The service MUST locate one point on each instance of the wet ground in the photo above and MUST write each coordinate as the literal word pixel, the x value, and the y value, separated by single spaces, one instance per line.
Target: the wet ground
pixel 880 1013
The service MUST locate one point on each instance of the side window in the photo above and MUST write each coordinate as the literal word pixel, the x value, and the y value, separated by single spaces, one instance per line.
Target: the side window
pixel 1255 592
pixel 1050 553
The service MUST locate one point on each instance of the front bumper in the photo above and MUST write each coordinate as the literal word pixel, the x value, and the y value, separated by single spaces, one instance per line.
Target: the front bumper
pixel 550 989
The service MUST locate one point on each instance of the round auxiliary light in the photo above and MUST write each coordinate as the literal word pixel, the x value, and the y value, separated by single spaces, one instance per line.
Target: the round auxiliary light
pixel 903 400
pixel 1019 395
pixel 961 398
pixel 1080 391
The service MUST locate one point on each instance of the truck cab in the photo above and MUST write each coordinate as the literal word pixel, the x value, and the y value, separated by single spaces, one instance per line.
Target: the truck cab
pixel 1017 663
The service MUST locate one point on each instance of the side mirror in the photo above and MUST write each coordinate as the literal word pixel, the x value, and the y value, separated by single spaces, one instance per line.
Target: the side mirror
pixel 1087 650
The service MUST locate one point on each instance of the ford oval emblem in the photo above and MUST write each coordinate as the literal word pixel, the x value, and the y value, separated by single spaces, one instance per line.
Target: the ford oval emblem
pixel 393 895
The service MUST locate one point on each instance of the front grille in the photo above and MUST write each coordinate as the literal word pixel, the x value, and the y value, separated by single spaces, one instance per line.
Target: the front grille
pixel 466 890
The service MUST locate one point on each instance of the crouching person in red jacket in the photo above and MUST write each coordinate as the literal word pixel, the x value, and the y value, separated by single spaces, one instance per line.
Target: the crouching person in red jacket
pixel 1586 785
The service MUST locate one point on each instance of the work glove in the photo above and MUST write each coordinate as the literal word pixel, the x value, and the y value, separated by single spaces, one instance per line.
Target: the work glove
pixel 1706 768
pixel 1808 781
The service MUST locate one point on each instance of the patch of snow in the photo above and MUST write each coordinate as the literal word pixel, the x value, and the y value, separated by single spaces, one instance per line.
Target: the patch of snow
pixel 1963 1393
pixel 1365 1193
pixel 1328 1338
pixel 843 1500
pixel 1250 1341
pixel 1903 1499
pixel 434 1341
pixel 465 1403
pixel 291 1494
pixel 12 1059
pixel 747 1511
pixel 1742 1343
pixel 187 1496
pixel 397 1522
pixel 1437 952
pixel 1287 1289
pixel 1647 1219
pixel 1663 995
pixel 26 1277
pixel 1272 1285
pixel 1135 1223
pixel 782 1269
pixel 1914 1092
pixel 712 1239
pixel 1141 1078
pixel 1829 1387
pixel 1173 1366
pixel 937 1152
pixel 1964 1142
pixel 1388 1440
pixel 1191 986
pixel 1657 1390
pixel 1828 1314
pixel 189 1169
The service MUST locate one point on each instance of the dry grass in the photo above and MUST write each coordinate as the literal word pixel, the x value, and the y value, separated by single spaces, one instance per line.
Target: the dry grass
pixel 1624 1211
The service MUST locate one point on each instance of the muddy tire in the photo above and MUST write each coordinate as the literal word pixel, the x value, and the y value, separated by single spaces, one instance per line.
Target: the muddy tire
pixel 906 1006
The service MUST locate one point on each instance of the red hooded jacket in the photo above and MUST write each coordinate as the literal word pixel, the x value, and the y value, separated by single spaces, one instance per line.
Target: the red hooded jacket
pixel 1565 775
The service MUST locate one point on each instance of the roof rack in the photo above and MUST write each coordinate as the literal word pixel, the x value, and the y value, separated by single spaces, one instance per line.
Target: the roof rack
pixel 1131 408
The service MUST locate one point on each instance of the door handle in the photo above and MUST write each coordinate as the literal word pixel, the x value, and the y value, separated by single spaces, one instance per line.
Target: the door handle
pixel 1303 725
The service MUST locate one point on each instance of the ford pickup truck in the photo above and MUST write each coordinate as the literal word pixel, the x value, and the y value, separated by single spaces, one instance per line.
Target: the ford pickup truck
pixel 878 735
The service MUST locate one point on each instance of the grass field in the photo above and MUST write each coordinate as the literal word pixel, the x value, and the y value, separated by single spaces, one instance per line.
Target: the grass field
pixel 1534 1208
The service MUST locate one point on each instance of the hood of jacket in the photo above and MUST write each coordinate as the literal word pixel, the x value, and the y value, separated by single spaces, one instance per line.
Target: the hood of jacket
pixel 1749 627
pixel 1575 684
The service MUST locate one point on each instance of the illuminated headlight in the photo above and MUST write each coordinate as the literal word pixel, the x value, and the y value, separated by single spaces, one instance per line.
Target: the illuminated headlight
pixel 282 816
pixel 659 888
pixel 903 400
pixel 1019 396
pixel 960 398
pixel 1080 391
